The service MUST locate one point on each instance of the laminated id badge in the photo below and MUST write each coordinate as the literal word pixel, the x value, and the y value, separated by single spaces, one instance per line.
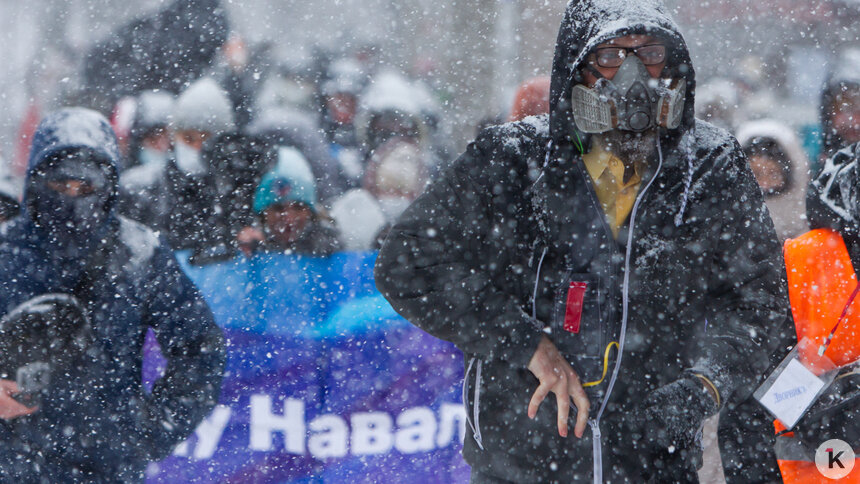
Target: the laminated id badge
pixel 796 383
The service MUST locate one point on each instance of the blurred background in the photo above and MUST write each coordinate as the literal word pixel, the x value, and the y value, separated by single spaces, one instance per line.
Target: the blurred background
pixel 472 54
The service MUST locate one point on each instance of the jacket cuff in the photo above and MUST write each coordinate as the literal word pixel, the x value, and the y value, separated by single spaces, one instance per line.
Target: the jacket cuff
pixel 710 379
pixel 708 383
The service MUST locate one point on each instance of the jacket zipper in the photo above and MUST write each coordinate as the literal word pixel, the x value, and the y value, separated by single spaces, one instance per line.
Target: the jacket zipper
pixel 474 421
pixel 595 422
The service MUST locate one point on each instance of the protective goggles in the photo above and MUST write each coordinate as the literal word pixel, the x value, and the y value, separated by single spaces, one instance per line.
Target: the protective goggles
pixel 650 55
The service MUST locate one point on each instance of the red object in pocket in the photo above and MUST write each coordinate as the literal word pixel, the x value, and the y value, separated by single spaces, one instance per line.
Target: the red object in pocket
pixel 573 312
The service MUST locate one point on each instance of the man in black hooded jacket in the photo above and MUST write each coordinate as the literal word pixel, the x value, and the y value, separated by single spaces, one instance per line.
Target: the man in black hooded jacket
pixel 619 254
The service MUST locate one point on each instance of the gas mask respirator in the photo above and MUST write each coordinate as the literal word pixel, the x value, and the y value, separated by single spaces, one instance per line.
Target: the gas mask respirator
pixel 631 101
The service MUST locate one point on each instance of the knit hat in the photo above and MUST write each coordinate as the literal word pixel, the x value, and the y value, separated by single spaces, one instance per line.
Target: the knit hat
pixel 204 106
pixel 154 110
pixel 290 181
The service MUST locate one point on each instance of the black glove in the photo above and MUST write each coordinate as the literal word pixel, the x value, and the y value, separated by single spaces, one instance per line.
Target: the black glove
pixel 673 414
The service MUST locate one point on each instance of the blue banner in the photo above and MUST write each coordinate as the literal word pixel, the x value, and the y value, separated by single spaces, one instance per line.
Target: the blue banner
pixel 324 381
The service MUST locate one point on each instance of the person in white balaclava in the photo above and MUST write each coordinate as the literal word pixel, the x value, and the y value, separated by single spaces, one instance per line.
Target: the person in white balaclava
pixel 202 112
pixel 781 169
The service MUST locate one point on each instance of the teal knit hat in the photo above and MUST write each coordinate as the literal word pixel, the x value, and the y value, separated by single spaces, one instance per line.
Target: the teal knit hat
pixel 290 181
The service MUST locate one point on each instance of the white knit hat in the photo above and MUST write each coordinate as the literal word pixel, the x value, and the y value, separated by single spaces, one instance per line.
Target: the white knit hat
pixel 204 106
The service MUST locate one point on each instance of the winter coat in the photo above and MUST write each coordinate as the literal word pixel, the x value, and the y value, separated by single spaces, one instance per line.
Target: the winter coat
pixel 485 256
pixel 237 164
pixel 745 428
pixel 108 427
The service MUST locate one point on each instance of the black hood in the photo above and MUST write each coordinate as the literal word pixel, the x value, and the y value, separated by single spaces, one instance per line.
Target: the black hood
pixel 70 129
pixel 588 23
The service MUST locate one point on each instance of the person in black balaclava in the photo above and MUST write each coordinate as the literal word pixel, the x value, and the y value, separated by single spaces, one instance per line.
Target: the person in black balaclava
pixel 69 201
pixel 97 423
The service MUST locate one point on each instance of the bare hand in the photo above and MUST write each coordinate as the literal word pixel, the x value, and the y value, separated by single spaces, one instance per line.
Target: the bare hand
pixel 9 407
pixel 556 375
pixel 248 239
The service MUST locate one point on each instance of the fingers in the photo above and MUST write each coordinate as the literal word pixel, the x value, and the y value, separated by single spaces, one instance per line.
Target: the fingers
pixel 580 399
pixel 9 387
pixel 540 394
pixel 563 407
pixel 9 407
pixel 555 375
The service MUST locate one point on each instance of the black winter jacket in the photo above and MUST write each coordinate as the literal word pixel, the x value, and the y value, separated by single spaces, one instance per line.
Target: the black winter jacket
pixel 485 256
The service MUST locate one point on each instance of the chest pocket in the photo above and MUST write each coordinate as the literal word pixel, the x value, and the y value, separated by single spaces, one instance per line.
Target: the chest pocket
pixel 577 322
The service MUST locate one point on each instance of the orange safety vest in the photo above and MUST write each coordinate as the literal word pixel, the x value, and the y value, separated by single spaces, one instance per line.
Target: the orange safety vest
pixel 821 282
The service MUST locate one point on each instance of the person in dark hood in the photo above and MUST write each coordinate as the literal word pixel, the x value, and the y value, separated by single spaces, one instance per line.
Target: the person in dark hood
pixel 616 252
pixel 833 199
pixel 99 425
pixel 840 105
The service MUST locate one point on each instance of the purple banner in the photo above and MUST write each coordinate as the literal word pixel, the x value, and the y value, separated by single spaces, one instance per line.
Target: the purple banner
pixel 324 382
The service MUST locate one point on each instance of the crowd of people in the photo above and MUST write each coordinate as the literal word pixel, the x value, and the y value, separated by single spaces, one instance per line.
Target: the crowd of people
pixel 193 163
pixel 286 178
pixel 326 156
pixel 335 146
pixel 783 155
